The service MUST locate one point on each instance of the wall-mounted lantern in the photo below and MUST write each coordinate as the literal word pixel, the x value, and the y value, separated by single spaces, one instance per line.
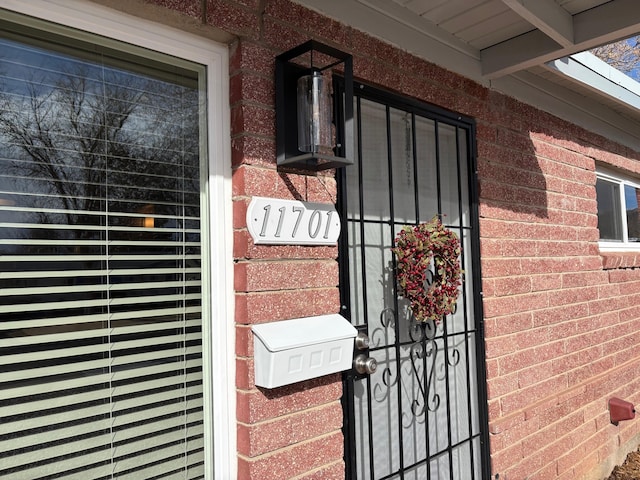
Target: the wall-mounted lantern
pixel 314 125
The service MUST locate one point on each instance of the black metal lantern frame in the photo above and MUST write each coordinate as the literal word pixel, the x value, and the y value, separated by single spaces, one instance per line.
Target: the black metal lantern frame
pixel 314 129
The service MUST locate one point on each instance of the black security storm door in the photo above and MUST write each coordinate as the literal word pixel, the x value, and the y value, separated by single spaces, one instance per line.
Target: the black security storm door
pixel 422 414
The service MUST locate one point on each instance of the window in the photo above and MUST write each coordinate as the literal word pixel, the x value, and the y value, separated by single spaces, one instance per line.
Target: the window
pixel 618 213
pixel 112 277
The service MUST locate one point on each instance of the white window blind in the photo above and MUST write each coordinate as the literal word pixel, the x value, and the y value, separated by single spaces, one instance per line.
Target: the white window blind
pixel 100 262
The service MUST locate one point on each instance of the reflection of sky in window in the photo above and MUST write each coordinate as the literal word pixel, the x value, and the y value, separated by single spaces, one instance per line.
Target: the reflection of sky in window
pixel 25 66
pixel 631 197
pixel 55 77
pixel 22 62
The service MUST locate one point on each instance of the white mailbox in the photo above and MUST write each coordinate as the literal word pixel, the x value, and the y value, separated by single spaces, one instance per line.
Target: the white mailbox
pixel 290 351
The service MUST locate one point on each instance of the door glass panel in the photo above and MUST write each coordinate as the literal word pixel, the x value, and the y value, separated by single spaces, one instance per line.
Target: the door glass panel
pixel 461 320
pixel 418 472
pixel 374 159
pixel 414 425
pixel 361 402
pixel 457 375
pixel 380 289
pixel 353 190
pixel 461 460
pixel 402 161
pixel 356 278
pixel 449 174
pixel 385 427
pixel 463 165
pixel 427 166
pixel 474 395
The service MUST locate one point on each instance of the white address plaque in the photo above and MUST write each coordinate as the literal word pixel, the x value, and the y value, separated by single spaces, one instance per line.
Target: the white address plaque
pixel 290 222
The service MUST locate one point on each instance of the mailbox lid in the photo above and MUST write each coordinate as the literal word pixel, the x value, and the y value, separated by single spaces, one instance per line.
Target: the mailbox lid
pixel 300 332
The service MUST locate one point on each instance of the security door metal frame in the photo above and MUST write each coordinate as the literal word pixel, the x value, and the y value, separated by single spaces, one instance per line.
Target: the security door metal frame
pixel 423 413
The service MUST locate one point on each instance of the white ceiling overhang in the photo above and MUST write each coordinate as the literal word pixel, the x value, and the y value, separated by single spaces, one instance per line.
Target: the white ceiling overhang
pixel 558 34
pixel 515 46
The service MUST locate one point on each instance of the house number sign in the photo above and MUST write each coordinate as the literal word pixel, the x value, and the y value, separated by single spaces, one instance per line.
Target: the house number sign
pixel 290 222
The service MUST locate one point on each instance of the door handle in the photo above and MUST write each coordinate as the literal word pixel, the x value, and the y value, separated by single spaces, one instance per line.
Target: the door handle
pixel 364 364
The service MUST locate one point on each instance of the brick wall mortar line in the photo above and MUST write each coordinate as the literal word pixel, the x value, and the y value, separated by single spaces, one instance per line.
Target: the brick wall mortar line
pixel 317 470
pixel 291 414
pixel 566 393
pixel 282 450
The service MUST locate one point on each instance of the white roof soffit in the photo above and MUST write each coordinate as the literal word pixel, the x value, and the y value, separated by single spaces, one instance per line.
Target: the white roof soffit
pixel 402 28
pixel 555 33
pixel 503 65
pixel 547 16
pixel 599 77
pixel 559 34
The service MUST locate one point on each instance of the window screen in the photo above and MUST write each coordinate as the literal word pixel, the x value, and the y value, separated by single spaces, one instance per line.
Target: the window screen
pixel 100 262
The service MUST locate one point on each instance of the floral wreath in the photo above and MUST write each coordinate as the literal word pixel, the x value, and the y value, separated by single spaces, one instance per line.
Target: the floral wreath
pixel 417 248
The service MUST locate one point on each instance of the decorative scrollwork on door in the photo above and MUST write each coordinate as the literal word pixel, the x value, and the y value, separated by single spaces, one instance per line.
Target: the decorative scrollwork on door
pixel 423 349
pixel 424 364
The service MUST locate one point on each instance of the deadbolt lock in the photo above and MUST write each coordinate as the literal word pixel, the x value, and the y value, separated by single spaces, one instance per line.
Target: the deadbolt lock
pixel 362 341
pixel 364 364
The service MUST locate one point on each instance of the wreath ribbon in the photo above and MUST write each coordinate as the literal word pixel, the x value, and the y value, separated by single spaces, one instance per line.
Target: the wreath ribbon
pixel 417 248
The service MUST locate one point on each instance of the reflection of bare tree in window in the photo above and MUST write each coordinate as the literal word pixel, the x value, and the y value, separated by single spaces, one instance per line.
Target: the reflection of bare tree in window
pixel 72 141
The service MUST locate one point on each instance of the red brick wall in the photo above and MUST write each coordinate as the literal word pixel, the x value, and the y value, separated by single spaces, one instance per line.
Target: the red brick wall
pixel 560 319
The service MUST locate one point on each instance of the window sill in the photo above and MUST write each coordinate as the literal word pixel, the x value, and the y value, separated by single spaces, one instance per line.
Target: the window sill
pixel 614 260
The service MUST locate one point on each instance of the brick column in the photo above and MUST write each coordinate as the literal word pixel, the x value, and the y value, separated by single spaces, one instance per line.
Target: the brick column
pixel 292 431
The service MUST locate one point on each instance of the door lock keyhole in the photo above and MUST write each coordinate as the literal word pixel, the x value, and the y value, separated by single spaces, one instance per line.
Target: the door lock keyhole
pixel 364 364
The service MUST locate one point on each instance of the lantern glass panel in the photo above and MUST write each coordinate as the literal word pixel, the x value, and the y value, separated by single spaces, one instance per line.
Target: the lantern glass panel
pixel 314 114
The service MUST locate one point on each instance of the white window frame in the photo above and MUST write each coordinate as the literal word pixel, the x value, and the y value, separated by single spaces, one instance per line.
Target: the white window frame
pixel 218 335
pixel 621 180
